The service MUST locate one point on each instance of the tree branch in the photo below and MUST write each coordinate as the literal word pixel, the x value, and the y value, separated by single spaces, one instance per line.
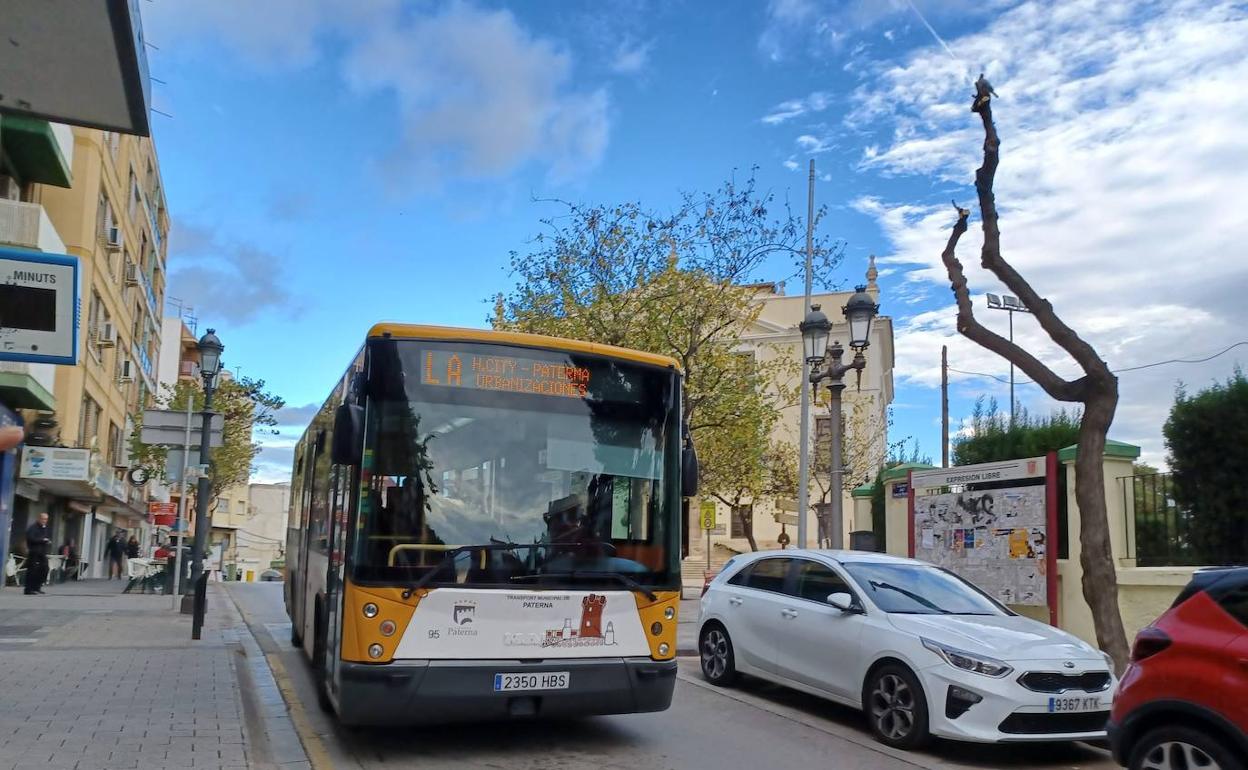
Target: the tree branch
pixel 991 259
pixel 970 328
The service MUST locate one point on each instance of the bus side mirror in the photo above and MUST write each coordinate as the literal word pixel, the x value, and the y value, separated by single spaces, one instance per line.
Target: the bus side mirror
pixel 348 443
pixel 688 471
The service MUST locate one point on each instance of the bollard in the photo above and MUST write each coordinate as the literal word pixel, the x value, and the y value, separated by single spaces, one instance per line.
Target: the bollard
pixel 201 602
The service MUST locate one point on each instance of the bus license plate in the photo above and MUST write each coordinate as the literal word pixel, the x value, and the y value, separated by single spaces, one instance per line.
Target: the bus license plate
pixel 1066 705
pixel 544 680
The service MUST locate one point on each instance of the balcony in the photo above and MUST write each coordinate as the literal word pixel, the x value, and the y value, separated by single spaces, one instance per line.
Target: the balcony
pixel 27 226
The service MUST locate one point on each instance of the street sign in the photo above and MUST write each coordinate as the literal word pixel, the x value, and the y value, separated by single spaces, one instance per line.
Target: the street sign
pixel 707 514
pixel 168 426
pixel 38 307
pixel 787 518
pixel 173 464
pixel 786 504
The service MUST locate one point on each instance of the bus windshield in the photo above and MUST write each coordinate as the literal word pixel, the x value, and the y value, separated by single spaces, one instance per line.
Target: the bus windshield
pixel 489 466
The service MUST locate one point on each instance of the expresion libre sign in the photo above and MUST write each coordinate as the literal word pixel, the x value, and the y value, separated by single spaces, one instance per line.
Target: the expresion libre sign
pixel 38 307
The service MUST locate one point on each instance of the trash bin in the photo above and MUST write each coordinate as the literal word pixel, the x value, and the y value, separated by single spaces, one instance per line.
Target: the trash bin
pixel 862 540
pixel 185 566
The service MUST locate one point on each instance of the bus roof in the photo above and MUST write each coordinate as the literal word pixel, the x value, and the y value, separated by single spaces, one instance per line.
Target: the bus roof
pixel 419 331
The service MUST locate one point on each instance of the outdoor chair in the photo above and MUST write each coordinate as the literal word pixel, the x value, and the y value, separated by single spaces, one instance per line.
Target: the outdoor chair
pixel 15 569
pixel 56 569
pixel 144 574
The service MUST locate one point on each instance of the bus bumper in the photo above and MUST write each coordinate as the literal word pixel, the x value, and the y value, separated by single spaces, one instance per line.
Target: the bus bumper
pixel 413 691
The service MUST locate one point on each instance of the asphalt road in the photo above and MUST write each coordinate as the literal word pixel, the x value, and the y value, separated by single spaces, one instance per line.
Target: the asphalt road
pixel 751 726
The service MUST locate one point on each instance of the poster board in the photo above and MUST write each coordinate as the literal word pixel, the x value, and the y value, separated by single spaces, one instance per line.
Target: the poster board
pixel 993 524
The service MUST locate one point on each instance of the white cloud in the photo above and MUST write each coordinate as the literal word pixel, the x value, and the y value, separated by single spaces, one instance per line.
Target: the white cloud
pixel 791 165
pixel 817 101
pixel 1123 177
pixel 477 94
pixel 630 58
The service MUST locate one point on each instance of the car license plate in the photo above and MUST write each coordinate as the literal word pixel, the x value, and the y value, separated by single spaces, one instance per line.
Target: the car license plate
pixel 543 680
pixel 1067 705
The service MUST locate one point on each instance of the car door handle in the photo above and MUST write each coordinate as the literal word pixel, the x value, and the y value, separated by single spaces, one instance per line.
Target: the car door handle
pixel 736 601
pixel 789 613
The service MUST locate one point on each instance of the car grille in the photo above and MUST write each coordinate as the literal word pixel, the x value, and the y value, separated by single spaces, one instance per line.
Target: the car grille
pixel 1054 681
pixel 1041 724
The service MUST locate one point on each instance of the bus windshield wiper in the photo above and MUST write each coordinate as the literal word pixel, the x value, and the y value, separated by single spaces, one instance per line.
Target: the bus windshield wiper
pixel 573 574
pixel 451 553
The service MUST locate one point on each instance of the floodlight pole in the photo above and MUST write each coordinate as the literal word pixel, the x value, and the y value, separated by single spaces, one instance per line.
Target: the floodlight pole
pixel 1010 305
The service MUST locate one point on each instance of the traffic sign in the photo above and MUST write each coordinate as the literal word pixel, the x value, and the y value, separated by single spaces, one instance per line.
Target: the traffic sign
pixel 168 426
pixel 707 511
pixel 786 504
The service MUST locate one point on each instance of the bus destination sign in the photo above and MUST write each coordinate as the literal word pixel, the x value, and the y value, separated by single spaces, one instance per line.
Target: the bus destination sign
pixel 511 374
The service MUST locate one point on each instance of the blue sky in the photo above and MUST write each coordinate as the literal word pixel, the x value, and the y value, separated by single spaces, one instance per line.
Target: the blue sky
pixel 331 163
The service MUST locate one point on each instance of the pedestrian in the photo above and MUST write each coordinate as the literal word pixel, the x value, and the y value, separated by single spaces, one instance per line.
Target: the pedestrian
pixel 115 552
pixel 38 538
pixel 132 548
pixel 70 552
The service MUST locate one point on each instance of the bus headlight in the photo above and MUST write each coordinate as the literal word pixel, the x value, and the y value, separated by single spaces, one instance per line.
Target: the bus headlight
pixel 656 628
pixel 387 628
pixel 669 613
pixel 375 651
pixel 370 610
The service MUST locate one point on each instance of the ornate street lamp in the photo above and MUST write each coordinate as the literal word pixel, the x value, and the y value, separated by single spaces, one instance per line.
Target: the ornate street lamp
pixel 859 311
pixel 210 349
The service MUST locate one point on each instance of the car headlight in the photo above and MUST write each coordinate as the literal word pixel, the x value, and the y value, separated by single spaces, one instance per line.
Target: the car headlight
pixel 1109 662
pixel 968 661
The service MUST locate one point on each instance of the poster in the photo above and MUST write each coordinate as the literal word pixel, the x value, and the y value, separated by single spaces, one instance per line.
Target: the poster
pixel 997 539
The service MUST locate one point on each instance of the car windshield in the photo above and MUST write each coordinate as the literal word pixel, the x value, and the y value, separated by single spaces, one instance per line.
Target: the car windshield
pixel 920 589
pixel 501 466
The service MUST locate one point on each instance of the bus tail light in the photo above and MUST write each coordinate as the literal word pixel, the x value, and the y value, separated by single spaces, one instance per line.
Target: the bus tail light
pixel 370 610
pixel 387 628
pixel 375 651
pixel 656 628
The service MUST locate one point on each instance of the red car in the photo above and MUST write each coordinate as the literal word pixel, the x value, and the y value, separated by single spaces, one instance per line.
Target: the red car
pixel 1183 702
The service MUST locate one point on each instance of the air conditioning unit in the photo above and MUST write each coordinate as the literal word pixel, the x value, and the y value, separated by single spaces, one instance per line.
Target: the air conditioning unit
pixel 132 274
pixel 9 188
pixel 127 372
pixel 106 336
pixel 121 455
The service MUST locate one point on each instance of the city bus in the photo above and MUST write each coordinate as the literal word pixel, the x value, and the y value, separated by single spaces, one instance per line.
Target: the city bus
pixel 487 525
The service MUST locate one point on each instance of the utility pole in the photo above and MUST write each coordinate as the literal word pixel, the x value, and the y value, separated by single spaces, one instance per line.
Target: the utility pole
pixel 803 461
pixel 944 405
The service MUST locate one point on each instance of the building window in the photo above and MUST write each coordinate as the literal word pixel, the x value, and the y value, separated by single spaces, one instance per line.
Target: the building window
pixel 134 196
pixel 88 422
pixel 115 450
pixel 95 312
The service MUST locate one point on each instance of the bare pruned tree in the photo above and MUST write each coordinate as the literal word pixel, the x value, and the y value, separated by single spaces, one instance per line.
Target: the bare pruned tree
pixel 1096 390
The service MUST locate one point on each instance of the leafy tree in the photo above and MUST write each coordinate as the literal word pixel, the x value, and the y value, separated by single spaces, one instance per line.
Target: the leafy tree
pixel 249 411
pixel 675 284
pixel 1096 389
pixel 990 436
pixel 1206 453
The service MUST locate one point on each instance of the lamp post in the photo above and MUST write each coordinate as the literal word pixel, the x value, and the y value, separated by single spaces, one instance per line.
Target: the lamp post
pixel 859 311
pixel 210 349
pixel 1010 305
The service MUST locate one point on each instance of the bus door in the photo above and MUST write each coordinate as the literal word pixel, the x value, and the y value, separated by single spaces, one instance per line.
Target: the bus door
pixel 340 500
pixel 300 609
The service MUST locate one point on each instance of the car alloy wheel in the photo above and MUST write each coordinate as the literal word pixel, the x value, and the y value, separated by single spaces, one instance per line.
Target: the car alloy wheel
pixel 716 653
pixel 892 707
pixel 1177 755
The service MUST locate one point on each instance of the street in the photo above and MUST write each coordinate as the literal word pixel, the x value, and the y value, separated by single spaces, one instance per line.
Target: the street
pixel 752 725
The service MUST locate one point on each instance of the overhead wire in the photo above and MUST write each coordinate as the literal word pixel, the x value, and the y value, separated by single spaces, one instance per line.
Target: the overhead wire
pixel 1222 352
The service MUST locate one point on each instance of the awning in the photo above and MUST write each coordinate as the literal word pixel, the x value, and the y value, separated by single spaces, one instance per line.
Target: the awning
pixel 34 151
pixel 19 390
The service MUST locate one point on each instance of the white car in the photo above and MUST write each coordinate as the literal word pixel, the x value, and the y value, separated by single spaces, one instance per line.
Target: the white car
pixel 920 650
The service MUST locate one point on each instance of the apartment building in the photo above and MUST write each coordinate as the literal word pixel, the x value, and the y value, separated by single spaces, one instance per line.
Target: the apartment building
pixel 98 196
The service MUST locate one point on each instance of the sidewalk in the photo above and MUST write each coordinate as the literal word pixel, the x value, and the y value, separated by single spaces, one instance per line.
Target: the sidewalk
pixel 93 678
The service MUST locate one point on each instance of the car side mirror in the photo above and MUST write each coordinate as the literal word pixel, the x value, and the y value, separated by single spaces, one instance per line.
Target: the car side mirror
pixel 348 441
pixel 688 471
pixel 842 601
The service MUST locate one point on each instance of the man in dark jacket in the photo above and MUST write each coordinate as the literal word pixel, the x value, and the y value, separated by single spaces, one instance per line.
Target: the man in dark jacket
pixel 38 540
pixel 115 552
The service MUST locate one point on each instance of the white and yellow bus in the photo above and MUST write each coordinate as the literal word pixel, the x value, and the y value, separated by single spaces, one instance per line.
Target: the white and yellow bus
pixel 487 525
